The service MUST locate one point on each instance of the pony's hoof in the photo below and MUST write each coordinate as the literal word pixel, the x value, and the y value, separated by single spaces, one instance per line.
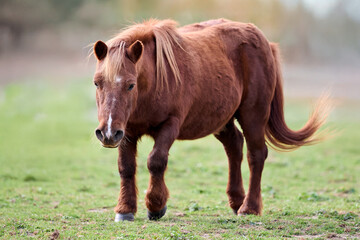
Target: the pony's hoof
pixel 235 211
pixel 244 212
pixel 119 217
pixel 156 215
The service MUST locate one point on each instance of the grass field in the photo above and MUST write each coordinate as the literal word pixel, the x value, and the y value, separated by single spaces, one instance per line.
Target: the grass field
pixel 56 180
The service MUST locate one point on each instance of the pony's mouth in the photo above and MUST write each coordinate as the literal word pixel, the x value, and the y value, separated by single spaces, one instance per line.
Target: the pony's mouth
pixel 111 146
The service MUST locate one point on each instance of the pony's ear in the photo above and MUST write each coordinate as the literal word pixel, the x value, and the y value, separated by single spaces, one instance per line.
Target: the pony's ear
pixel 135 51
pixel 100 50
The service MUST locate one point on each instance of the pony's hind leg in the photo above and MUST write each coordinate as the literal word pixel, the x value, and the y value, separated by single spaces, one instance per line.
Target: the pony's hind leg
pixel 253 124
pixel 233 141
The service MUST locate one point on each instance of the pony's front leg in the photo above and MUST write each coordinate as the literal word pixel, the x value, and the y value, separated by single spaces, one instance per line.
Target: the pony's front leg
pixel 157 192
pixel 126 207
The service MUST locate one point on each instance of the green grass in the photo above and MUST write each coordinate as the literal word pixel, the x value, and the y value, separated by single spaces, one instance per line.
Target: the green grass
pixel 55 177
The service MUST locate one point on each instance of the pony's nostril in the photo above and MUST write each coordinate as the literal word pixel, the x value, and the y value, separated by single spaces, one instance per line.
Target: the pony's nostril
pixel 99 134
pixel 118 135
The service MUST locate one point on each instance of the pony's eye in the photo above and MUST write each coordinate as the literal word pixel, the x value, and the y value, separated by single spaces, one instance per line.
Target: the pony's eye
pixel 96 84
pixel 131 86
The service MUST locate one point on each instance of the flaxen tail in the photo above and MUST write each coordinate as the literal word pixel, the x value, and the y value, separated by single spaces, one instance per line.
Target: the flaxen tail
pixel 278 135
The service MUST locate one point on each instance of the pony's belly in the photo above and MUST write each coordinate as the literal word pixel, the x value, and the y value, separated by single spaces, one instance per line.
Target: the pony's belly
pixel 210 115
pixel 207 121
pixel 195 133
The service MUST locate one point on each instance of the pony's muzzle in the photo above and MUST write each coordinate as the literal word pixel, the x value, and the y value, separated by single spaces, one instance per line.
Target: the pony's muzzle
pixel 109 139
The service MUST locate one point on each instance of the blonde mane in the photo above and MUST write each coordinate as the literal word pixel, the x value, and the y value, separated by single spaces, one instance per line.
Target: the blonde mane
pixel 166 36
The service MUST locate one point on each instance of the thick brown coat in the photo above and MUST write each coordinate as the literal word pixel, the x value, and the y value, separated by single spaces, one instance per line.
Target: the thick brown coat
pixel 187 83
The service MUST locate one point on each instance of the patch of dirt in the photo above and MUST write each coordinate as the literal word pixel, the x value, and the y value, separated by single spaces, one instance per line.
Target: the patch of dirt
pixel 330 236
pixel 179 214
pixel 302 80
pixel 55 235
pixel 52 67
pixel 99 210
pixel 55 204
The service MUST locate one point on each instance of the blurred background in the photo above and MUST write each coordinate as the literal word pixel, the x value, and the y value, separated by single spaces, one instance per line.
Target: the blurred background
pixel 48 39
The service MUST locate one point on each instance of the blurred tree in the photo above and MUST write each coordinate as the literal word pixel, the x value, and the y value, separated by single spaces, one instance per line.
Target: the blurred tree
pixel 65 8
pixel 297 34
pixel 19 17
pixel 301 32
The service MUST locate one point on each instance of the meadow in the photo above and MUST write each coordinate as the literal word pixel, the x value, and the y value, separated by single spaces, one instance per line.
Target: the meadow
pixel 56 181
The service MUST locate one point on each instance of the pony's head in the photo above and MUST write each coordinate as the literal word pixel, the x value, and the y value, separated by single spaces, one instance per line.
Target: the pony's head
pixel 116 88
pixel 118 70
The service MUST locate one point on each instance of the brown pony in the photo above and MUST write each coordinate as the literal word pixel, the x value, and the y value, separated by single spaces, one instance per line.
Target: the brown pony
pixel 186 83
